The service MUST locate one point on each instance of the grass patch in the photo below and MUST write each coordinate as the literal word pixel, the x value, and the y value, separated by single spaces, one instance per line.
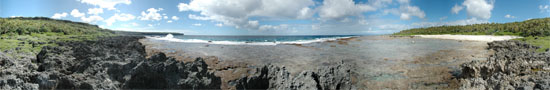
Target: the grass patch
pixel 28 35
pixel 543 42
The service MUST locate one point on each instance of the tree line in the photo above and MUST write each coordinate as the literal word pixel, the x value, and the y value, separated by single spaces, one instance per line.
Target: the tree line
pixel 532 27
pixel 28 25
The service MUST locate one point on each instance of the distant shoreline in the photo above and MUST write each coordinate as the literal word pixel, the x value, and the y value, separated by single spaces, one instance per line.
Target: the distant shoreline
pixel 146 33
pixel 484 38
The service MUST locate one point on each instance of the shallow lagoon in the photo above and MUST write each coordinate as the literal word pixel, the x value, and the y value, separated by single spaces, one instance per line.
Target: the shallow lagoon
pixel 379 61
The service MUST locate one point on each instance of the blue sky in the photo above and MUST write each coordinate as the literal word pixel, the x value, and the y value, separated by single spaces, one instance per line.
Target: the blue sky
pixel 278 17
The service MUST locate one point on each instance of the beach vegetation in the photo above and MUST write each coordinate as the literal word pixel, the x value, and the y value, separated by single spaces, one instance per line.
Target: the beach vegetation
pixel 535 31
pixel 30 34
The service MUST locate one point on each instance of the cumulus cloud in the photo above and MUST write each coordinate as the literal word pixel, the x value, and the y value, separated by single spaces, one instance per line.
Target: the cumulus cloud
pixel 93 18
pixel 339 9
pixel 544 8
pixel 59 15
pixel 197 24
pixel 108 4
pixel 393 27
pixel 95 11
pixel 169 21
pixel 175 18
pixel 406 11
pixel 152 14
pixel 456 9
pixel 479 8
pixel 509 16
pixel 119 17
pixel 76 13
pixel 134 24
pixel 274 27
pixel 237 13
pixel 219 25
pixel 457 22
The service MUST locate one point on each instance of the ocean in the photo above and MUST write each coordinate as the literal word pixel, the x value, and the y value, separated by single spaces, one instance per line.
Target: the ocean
pixel 250 40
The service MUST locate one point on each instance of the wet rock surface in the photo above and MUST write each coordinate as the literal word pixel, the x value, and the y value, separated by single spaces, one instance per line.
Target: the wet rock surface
pixel 120 63
pixel 514 65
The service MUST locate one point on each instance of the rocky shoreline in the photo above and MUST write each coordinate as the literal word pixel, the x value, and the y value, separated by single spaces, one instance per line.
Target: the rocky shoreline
pixel 514 65
pixel 120 63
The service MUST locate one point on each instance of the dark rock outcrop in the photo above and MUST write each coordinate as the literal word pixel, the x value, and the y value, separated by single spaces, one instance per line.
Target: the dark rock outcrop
pixel 14 74
pixel 274 77
pixel 108 63
pixel 119 63
pixel 515 65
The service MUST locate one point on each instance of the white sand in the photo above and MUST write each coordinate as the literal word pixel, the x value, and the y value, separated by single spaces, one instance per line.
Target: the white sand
pixel 485 38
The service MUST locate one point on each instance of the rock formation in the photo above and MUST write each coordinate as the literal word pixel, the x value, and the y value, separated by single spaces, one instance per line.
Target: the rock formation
pixel 514 65
pixel 273 77
pixel 119 63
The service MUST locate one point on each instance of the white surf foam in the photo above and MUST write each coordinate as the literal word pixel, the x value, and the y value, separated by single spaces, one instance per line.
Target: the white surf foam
pixel 171 38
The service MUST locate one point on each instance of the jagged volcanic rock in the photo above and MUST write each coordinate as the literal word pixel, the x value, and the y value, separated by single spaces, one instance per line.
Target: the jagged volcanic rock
pixel 119 63
pixel 514 65
pixel 273 77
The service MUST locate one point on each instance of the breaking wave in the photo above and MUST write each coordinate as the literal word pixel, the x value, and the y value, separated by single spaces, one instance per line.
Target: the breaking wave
pixel 171 38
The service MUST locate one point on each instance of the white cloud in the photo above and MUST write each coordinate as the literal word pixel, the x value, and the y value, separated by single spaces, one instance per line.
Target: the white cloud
pixel 339 9
pixel 108 4
pixel 175 18
pixel 150 25
pixel 59 15
pixel 191 16
pixel 274 27
pixel 165 17
pixel 403 1
pixel 458 22
pixel 197 24
pixel 219 25
pixel 443 18
pixel 456 9
pixel 315 27
pixel 119 17
pixel 479 8
pixel 152 14
pixel 411 11
pixel 544 8
pixel 134 24
pixel 76 13
pixel 405 11
pixel 509 16
pixel 169 21
pixel 381 3
pixel 95 11
pixel 237 13
pixel 93 18
pixel 393 27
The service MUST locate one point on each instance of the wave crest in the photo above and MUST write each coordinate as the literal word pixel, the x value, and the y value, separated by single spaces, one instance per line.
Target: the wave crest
pixel 171 38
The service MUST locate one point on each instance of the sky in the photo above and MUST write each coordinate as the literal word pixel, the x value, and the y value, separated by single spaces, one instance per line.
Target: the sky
pixel 277 17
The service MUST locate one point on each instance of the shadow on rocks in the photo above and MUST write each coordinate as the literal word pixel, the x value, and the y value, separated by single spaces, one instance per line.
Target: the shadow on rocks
pixel 514 65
